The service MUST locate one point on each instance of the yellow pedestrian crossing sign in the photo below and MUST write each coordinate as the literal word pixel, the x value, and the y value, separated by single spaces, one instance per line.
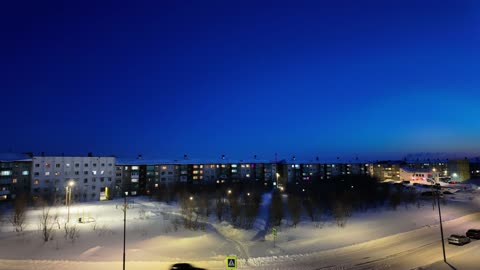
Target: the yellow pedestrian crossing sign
pixel 231 262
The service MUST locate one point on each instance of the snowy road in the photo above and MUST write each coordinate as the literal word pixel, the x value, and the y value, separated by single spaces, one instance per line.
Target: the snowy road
pixel 408 250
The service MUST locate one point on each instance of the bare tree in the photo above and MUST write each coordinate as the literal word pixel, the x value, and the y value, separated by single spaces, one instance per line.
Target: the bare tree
pixel 341 212
pixel 71 232
pixel 18 216
pixel 47 222
pixel 295 208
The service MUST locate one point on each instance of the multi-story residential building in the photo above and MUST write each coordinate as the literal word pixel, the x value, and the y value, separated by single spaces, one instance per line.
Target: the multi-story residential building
pixel 15 175
pixel 475 167
pixel 459 169
pixel 386 170
pixel 93 177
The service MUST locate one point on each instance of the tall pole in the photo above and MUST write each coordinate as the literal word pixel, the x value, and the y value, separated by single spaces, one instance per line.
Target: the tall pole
pixel 124 226
pixel 441 226
pixel 69 192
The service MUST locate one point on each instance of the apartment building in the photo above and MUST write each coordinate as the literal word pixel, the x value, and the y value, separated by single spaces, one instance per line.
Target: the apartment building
pixel 386 170
pixel 15 175
pixel 92 177
pixel 459 169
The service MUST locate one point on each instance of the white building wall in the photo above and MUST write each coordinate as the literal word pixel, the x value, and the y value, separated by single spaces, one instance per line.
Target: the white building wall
pixel 50 175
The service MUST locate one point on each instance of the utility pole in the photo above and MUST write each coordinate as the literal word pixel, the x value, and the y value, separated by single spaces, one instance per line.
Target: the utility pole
pixel 440 216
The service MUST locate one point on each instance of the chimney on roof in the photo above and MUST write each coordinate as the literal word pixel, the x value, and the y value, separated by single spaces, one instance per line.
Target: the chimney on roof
pixel 223 157
pixel 316 158
pixel 185 156
pixel 293 158
pixel 254 156
pixel 90 154
pixel 139 156
pixel 43 154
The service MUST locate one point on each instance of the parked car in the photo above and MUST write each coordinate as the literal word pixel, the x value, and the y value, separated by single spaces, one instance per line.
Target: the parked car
pixel 184 266
pixel 458 239
pixel 473 233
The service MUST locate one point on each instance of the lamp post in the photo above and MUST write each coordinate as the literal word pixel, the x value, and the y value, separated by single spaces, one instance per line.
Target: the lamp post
pixel 125 193
pixel 124 224
pixel 68 197
pixel 437 186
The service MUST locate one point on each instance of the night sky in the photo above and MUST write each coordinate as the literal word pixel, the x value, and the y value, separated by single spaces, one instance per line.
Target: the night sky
pixel 374 79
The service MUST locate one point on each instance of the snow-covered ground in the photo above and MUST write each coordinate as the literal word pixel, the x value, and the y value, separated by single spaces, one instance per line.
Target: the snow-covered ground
pixel 407 238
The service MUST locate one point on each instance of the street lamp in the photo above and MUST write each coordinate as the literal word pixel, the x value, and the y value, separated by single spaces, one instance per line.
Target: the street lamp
pixel 125 193
pixel 124 224
pixel 437 186
pixel 68 197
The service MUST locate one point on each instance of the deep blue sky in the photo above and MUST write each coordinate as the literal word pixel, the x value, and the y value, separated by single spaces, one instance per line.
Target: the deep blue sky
pixel 163 78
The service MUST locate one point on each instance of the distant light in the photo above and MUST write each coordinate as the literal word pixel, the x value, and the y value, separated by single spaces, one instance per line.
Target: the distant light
pixel 352 186
pixel 303 190
pixel 191 198
pixel 248 194
pixel 71 183
pixel 229 191
pixel 218 181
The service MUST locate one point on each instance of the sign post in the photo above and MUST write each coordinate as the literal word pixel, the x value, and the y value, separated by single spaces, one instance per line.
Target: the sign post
pixel 231 262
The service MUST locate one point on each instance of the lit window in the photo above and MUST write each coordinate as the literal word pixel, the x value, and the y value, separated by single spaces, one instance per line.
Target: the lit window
pixel 201 171
pixel 14 180
pixel 201 166
pixel 195 166
pixel 234 170
pixel 47 165
pixel 212 166
pixel 156 185
pixel 102 172
pixel 57 165
pixel 36 182
pixel 5 173
pixel 94 172
pixel 47 173
pixel 57 173
pixel 243 166
pixel 134 180
pixel 164 167
pixel 134 167
pixel 248 175
pixel 68 164
pixel 234 165
pixel 37 165
pixel 195 177
pixel 126 168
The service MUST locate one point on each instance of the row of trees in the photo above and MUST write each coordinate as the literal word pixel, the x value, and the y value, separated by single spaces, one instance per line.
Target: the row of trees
pixel 237 203
pixel 337 198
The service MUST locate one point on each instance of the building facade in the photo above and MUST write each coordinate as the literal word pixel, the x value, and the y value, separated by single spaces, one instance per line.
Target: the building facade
pixel 92 177
pixel 15 175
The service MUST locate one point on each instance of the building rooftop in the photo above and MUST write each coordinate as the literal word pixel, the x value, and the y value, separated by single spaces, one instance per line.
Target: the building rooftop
pixel 8 157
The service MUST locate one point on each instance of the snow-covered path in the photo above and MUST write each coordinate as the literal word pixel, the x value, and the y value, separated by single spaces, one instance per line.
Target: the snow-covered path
pixel 261 223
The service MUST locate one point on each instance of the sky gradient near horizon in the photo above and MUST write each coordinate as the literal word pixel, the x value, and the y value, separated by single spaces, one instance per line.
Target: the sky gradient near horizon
pixel 375 79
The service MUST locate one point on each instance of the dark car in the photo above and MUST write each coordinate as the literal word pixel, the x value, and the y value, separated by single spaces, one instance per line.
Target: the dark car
pixel 473 233
pixel 185 266
pixel 458 239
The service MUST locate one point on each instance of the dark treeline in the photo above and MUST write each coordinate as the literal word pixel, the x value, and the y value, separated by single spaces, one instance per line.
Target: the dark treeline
pixel 237 203
pixel 339 197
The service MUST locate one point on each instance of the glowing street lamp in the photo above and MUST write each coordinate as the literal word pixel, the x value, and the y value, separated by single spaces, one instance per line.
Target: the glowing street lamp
pixel 68 197
pixel 229 191
pixel 191 198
